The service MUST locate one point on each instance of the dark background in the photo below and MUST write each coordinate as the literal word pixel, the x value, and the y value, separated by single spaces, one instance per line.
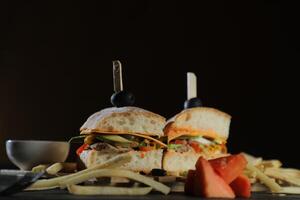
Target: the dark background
pixel 56 70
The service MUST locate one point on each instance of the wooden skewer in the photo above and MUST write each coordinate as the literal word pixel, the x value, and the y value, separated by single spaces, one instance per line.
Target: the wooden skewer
pixel 191 85
pixel 117 76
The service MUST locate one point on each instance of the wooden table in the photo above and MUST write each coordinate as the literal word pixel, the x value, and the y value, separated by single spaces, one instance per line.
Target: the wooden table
pixel 63 194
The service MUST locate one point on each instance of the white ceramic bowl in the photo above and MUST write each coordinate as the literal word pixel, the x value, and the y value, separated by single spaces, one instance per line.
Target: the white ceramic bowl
pixel 27 154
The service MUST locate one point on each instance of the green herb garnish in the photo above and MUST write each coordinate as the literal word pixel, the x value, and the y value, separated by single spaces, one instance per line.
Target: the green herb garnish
pixel 174 146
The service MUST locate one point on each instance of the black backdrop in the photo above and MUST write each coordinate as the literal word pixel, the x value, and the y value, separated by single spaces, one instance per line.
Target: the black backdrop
pixel 56 70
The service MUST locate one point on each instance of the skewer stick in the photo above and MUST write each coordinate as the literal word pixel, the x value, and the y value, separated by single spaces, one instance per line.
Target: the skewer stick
pixel 117 76
pixel 191 85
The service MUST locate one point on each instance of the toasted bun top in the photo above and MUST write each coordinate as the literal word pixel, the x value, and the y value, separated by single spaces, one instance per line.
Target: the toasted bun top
pixel 124 120
pixel 199 121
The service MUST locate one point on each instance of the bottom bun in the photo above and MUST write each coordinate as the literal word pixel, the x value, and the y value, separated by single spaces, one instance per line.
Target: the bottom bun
pixel 180 162
pixel 141 161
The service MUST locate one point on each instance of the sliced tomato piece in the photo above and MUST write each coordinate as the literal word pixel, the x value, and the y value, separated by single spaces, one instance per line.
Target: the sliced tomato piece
pixel 189 182
pixel 241 186
pixel 208 183
pixel 180 141
pixel 229 167
pixel 196 147
pixel 146 148
pixel 81 149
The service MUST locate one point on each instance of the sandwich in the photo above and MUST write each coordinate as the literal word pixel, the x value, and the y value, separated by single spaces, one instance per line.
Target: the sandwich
pixel 117 130
pixel 195 132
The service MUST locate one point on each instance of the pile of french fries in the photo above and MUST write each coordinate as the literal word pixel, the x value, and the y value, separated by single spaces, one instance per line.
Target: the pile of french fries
pixel 73 181
pixel 265 176
pixel 270 176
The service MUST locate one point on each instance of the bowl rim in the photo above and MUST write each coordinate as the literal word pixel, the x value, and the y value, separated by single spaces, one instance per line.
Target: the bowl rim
pixel 36 141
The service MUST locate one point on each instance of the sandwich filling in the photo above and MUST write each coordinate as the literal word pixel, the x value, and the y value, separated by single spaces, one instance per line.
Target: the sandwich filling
pixel 118 143
pixel 184 151
pixel 198 144
pixel 146 154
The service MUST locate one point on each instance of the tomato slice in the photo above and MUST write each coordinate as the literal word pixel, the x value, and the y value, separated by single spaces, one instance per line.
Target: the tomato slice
pixel 180 142
pixel 196 147
pixel 146 148
pixel 208 183
pixel 229 167
pixel 81 149
pixel 241 186
pixel 189 182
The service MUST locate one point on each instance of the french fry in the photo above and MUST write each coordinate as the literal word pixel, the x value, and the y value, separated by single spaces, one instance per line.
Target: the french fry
pixel 107 190
pixel 55 168
pixel 250 174
pixel 258 187
pixel 270 183
pixel 41 188
pixel 54 182
pixel 116 173
pixel 271 163
pixel 279 174
pixel 39 168
pixel 266 171
pixel 290 190
pixel 252 160
pixel 291 172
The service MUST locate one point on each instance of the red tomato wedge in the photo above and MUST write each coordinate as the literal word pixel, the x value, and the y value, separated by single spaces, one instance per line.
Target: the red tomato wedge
pixel 208 183
pixel 146 148
pixel 189 182
pixel 196 147
pixel 81 149
pixel 180 142
pixel 229 167
pixel 241 186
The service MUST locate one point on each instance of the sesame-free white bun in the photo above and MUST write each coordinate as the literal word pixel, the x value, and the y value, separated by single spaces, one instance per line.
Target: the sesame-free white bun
pixel 124 120
pixel 178 162
pixel 203 121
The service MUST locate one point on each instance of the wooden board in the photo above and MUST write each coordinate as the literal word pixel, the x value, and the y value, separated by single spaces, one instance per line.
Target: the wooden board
pixel 63 194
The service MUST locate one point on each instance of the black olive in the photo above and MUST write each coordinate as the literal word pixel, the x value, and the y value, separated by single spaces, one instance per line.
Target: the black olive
pixel 191 103
pixel 158 172
pixel 122 98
